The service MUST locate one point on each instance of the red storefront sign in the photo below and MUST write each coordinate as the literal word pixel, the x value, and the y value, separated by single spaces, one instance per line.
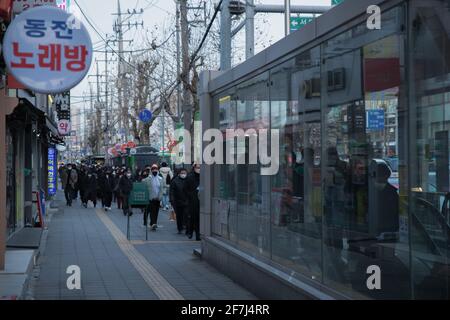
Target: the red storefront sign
pixel 6 10
pixel 381 74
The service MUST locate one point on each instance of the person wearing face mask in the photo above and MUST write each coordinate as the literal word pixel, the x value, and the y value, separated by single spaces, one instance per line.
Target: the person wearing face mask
pixel 116 191
pixel 178 199
pixel 125 187
pixel 191 189
pixel 167 176
pixel 107 186
pixel 155 186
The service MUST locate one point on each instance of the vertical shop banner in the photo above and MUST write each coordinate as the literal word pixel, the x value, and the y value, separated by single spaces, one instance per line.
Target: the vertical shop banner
pixel 62 107
pixel 52 171
pixel 47 50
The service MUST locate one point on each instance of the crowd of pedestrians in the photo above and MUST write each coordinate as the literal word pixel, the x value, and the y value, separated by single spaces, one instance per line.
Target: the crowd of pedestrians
pixel 175 192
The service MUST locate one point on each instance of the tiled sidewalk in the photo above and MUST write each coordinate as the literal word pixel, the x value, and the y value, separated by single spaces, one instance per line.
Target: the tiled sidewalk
pixel 79 236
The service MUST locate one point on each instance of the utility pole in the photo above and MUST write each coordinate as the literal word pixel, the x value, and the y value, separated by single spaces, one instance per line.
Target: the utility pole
pixel 91 108
pixel 98 109
pixel 122 87
pixel 178 59
pixel 85 136
pixel 225 36
pixel 287 17
pixel 249 29
pixel 121 73
pixel 185 75
pixel 106 106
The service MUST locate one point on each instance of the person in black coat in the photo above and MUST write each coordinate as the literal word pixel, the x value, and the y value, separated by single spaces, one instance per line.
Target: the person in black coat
pixel 179 200
pixel 100 176
pixel 91 189
pixel 191 190
pixel 116 191
pixel 125 187
pixel 107 184
pixel 82 176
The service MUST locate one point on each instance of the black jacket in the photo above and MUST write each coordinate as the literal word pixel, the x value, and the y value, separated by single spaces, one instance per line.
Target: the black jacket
pixel 191 186
pixel 177 192
pixel 107 184
pixel 125 185
pixel 91 187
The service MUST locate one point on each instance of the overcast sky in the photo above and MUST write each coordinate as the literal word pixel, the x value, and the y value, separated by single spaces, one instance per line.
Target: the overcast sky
pixel 157 12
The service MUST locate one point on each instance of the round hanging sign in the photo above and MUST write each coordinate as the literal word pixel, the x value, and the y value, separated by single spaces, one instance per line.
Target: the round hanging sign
pixel 47 50
pixel 145 116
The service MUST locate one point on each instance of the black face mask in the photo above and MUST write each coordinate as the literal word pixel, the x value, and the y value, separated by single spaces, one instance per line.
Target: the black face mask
pixel 155 173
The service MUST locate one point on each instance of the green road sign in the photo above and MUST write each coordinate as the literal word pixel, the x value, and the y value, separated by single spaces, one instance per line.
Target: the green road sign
pixel 299 22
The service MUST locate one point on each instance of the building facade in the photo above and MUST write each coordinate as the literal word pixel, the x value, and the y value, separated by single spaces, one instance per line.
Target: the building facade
pixel 27 132
pixel 363 182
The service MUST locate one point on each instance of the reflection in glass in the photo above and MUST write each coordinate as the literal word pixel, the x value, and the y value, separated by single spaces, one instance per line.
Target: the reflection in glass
pixel 430 235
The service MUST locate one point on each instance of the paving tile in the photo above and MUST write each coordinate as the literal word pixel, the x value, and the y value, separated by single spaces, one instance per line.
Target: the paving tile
pixel 77 236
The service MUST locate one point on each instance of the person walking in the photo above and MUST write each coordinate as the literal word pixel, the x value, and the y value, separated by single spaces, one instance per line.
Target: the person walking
pixel 69 181
pixel 178 199
pixel 155 186
pixel 125 188
pixel 117 175
pixel 191 189
pixel 91 189
pixel 61 171
pixel 82 176
pixel 107 186
pixel 167 176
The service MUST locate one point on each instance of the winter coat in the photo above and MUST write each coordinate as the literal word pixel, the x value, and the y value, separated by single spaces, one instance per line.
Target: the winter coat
pixel 191 189
pixel 164 171
pixel 178 196
pixel 107 184
pixel 160 191
pixel 191 186
pixel 69 177
pixel 116 180
pixel 125 185
pixel 90 190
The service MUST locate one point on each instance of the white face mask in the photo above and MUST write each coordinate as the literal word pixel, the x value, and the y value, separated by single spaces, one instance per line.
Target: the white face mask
pixel 129 175
pixel 197 171
pixel 183 176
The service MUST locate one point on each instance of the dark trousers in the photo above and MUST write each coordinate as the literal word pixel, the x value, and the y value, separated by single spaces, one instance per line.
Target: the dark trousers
pixel 181 213
pixel 194 219
pixel 107 199
pixel 153 209
pixel 125 204
pixel 68 192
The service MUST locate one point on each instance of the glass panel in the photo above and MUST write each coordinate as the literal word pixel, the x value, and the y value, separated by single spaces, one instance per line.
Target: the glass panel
pixel 430 126
pixel 225 217
pixel 296 225
pixel 363 164
pixel 253 191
